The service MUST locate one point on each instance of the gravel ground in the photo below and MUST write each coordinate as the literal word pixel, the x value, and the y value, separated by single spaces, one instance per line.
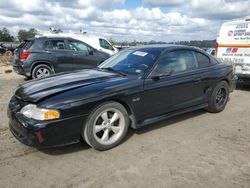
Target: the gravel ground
pixel 197 149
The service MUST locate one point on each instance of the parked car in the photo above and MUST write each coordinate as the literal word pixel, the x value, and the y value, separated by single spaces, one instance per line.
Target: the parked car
pixel 40 57
pixel 134 88
pixel 8 47
pixel 233 45
pixel 97 42
pixel 4 50
pixel 210 51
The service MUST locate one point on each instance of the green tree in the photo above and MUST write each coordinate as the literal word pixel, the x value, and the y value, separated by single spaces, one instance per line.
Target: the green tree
pixel 5 35
pixel 26 34
pixel 110 39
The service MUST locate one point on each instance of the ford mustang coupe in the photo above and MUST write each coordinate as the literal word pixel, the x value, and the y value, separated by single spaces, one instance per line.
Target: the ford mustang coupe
pixel 136 87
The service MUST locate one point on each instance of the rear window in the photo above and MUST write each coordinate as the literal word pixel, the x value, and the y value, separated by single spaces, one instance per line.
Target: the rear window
pixel 202 60
pixel 26 44
pixel 217 60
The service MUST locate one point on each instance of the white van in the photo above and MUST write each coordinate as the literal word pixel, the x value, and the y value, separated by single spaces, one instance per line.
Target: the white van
pixel 99 43
pixel 233 45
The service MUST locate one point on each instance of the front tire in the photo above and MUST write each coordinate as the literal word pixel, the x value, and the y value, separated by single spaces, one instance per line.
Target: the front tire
pixel 219 97
pixel 106 126
pixel 41 71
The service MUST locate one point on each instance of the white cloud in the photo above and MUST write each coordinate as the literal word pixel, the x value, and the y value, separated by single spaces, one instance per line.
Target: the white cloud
pixel 98 4
pixel 178 20
pixel 165 3
pixel 220 9
pixel 24 5
pixel 211 9
pixel 118 15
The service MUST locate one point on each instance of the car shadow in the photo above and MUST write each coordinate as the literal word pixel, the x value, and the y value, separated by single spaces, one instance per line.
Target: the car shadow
pixel 243 87
pixel 27 78
pixel 169 122
pixel 61 150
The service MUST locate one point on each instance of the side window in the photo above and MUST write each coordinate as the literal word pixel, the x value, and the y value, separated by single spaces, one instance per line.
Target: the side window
pixel 202 60
pixel 176 61
pixel 58 44
pixel 78 46
pixel 46 45
pixel 104 44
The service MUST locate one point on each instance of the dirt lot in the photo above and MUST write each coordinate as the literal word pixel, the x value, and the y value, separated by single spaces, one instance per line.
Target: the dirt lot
pixel 198 149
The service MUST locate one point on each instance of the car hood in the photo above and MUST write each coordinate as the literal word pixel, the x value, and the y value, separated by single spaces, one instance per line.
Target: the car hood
pixel 36 90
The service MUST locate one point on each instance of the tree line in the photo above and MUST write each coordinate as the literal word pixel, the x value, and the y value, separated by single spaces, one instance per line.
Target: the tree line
pixel 198 43
pixel 23 34
pixel 5 35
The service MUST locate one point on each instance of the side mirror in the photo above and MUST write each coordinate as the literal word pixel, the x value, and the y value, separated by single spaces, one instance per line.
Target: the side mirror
pixel 160 74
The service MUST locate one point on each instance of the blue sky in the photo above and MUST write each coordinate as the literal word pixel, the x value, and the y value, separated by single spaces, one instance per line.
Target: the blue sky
pixel 125 20
pixel 129 4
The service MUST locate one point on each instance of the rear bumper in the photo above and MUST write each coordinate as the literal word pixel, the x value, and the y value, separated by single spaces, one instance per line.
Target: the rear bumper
pixel 18 69
pixel 44 134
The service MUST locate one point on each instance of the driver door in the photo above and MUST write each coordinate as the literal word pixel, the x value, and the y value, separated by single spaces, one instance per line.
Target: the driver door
pixel 174 84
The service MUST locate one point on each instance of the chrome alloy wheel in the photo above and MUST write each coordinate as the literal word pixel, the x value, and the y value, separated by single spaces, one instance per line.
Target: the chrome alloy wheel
pixel 109 126
pixel 42 72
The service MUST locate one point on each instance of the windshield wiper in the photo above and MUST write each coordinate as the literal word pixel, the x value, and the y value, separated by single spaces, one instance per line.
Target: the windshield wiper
pixel 114 70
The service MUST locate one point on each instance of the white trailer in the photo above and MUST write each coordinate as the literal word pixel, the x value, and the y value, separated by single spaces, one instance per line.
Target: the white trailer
pixel 233 45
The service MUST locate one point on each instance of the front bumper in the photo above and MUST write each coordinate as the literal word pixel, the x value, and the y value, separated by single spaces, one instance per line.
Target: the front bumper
pixel 43 134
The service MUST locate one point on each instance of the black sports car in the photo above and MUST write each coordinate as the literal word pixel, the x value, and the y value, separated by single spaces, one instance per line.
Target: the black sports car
pixel 136 87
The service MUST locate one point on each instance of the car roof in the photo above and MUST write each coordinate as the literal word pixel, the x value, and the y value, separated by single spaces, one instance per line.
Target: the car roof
pixel 165 47
pixel 53 37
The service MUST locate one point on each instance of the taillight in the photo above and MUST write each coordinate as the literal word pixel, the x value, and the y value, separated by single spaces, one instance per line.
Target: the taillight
pixel 24 55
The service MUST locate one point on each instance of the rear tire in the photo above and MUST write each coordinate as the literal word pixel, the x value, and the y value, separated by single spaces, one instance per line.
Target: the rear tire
pixel 41 71
pixel 219 97
pixel 106 126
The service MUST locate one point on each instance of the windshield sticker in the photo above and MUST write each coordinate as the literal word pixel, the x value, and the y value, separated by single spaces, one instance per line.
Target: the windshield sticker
pixel 139 53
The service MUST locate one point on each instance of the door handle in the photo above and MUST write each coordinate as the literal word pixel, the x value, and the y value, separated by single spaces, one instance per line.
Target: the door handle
pixel 47 52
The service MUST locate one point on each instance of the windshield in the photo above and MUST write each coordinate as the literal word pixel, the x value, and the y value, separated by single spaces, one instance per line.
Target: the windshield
pixel 132 61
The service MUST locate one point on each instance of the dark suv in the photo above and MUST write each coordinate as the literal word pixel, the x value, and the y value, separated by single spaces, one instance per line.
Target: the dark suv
pixel 40 57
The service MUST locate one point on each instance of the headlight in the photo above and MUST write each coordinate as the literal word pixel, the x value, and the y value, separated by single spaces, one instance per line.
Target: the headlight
pixel 32 111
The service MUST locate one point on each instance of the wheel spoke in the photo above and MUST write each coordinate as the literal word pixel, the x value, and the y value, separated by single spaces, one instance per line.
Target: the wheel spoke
pixel 98 128
pixel 115 129
pixel 105 135
pixel 114 117
pixel 105 117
